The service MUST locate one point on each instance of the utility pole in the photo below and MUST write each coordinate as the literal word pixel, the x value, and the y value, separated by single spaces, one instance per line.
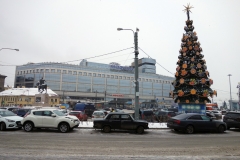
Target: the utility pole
pixel 238 95
pixel 230 104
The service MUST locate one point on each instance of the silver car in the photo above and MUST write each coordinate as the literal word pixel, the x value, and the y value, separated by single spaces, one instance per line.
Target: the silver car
pixel 97 115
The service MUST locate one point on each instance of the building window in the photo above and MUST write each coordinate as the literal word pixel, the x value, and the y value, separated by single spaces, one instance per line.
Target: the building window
pixel 52 70
pixel 150 80
pixel 147 80
pixel 153 80
pixel 36 71
pixel 80 73
pixel 59 71
pixel 69 72
pixel 124 77
pixel 89 74
pixel 42 70
pixel 30 71
pixel 99 75
pixel 23 72
pixel 94 74
pixel 85 73
pixel 47 70
pixel 120 77
pixel 108 76
pixel 27 71
pixel 116 77
pixel 112 76
pixel 128 78
pixel 103 75
pixel 131 78
pixel 55 100
pixel 64 72
pixel 74 72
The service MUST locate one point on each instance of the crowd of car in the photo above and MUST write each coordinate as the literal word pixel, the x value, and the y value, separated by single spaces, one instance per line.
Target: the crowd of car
pixel 106 120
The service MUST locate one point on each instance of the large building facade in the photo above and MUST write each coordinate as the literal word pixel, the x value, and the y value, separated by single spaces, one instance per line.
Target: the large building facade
pixel 111 83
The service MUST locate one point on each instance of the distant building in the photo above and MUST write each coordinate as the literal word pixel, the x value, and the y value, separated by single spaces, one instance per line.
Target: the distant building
pixel 234 105
pixel 28 97
pixel 2 80
pixel 98 82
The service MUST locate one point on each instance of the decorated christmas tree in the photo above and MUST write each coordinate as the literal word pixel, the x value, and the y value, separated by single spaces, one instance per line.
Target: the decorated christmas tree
pixel 192 83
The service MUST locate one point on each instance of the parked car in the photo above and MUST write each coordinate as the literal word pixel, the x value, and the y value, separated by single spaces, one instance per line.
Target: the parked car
pixel 210 114
pixel 147 115
pixel 9 120
pixel 163 116
pixel 79 114
pixel 122 121
pixel 232 119
pixel 224 112
pixel 49 118
pixel 97 115
pixel 217 114
pixel 193 122
pixel 22 111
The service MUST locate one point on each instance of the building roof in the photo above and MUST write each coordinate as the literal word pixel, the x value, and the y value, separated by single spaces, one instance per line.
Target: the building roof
pixel 25 91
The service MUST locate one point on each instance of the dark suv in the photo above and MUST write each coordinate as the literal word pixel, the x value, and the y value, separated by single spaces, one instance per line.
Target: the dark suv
pixel 147 115
pixel 163 116
pixel 232 119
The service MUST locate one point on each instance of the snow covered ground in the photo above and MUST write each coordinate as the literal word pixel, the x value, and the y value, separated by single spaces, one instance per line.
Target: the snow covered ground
pixel 89 124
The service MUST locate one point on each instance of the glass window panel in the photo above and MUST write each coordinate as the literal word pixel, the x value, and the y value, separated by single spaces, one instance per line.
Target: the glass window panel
pixel 112 82
pixel 147 85
pixel 147 92
pixel 54 85
pixel 59 70
pixel 166 86
pixel 82 79
pixel 94 74
pixel 157 92
pixel 80 73
pixel 157 86
pixel 84 87
pixel 74 72
pixel 103 75
pixel 69 78
pixel 89 74
pixel 69 72
pixel 64 72
pixel 84 73
pixel 97 80
pixel 98 88
pixel 69 86
pixel 52 70
pixel 112 89
pixel 166 93
pixel 47 70
pixel 124 90
pixel 52 77
pixel 99 75
pixel 124 83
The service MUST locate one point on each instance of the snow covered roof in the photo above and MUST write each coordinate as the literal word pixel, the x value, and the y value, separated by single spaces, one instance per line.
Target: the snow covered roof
pixel 26 92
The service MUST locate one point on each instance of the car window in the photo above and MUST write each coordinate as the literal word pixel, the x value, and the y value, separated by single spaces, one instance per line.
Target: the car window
pixel 115 117
pixel 195 117
pixel 59 113
pixel 47 113
pixel 125 117
pixel 205 117
pixel 38 113
pixel 6 113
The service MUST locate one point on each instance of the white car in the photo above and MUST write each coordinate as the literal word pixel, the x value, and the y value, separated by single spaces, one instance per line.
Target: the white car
pixel 97 115
pixel 49 118
pixel 9 120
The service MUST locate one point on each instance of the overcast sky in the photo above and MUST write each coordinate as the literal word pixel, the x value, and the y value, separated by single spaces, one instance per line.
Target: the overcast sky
pixel 68 30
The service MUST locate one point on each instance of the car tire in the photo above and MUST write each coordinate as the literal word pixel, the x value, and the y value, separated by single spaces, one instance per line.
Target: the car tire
pixel 2 126
pixel 140 130
pixel 63 127
pixel 28 126
pixel 106 129
pixel 189 129
pixel 176 130
pixel 221 129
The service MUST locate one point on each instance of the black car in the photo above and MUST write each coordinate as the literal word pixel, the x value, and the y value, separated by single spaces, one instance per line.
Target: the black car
pixel 122 121
pixel 191 122
pixel 232 119
pixel 163 116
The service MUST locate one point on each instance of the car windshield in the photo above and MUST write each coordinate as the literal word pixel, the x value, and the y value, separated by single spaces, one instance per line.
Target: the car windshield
pixel 59 113
pixel 7 113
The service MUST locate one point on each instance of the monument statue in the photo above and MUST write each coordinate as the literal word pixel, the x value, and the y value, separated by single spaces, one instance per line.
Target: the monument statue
pixel 41 85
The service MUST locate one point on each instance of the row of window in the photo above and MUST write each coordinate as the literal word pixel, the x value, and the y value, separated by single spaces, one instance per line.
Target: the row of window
pixel 90 74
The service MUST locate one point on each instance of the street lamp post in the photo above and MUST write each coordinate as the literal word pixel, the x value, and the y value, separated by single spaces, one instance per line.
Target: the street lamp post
pixel 230 104
pixel 9 49
pixel 238 86
pixel 135 34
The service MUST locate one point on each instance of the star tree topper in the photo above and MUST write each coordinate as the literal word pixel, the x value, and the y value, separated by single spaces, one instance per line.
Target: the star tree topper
pixel 187 9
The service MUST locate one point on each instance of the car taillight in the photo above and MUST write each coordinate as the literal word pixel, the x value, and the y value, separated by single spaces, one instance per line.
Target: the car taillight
pixel 177 121
pixel 92 116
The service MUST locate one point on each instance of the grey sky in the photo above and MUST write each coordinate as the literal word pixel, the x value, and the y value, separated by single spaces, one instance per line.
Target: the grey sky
pixel 64 30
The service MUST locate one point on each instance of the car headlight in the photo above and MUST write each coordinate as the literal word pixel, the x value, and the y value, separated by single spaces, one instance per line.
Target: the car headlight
pixel 9 120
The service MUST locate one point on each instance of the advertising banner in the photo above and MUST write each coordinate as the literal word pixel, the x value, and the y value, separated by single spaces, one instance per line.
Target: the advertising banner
pixel 192 108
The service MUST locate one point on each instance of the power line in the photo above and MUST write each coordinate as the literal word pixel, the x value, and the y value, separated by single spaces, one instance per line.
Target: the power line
pixel 156 62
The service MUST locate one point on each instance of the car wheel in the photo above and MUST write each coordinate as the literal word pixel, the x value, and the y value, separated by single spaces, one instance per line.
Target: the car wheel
pixel 106 129
pixel 2 126
pixel 63 127
pixel 28 126
pixel 140 130
pixel 221 129
pixel 189 129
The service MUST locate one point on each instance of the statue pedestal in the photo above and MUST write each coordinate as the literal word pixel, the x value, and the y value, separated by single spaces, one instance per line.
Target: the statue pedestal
pixel 192 108
pixel 41 100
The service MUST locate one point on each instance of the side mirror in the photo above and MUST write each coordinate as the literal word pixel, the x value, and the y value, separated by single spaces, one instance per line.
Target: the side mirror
pixel 53 115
